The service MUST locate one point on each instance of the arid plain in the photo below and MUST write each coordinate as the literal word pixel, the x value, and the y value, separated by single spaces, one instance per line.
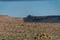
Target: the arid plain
pixel 13 28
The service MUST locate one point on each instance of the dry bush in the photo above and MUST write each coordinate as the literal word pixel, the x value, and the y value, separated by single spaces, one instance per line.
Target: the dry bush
pixel 43 36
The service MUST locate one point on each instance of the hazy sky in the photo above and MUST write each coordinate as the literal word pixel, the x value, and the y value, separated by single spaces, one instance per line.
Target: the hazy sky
pixel 24 8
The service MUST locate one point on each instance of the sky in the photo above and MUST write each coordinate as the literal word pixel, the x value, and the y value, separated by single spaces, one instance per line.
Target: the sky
pixel 25 8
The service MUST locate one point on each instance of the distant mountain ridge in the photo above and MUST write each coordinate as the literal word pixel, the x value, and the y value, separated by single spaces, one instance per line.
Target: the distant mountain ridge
pixel 30 18
pixel 52 18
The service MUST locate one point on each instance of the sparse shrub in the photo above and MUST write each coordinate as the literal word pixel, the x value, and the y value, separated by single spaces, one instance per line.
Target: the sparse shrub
pixel 22 24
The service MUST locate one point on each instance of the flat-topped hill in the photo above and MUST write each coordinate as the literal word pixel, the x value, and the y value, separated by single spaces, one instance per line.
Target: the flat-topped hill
pixel 48 19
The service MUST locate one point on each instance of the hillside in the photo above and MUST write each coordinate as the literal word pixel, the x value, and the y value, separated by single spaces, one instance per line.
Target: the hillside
pixel 17 29
pixel 6 18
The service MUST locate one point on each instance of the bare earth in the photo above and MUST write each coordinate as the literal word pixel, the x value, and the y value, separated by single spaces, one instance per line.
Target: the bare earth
pixel 16 29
